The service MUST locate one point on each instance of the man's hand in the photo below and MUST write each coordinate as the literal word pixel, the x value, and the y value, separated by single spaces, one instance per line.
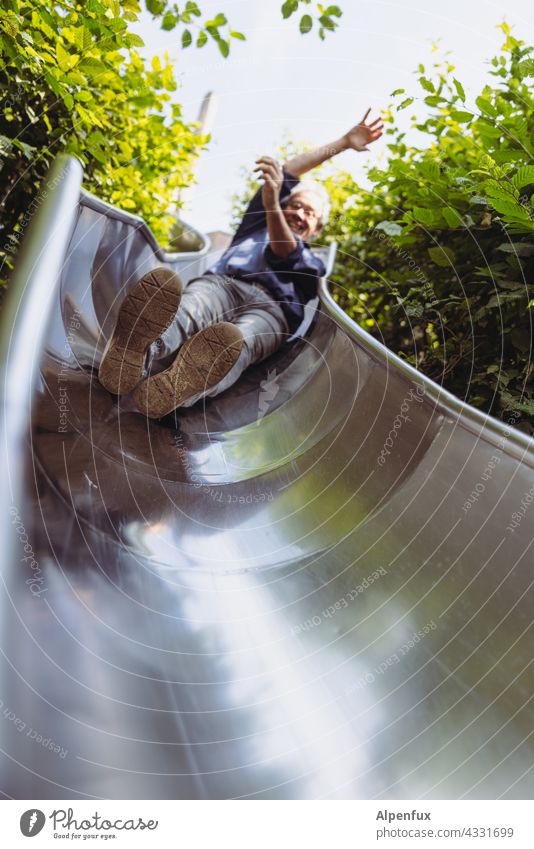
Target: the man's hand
pixel 363 134
pixel 270 171
pixel 281 239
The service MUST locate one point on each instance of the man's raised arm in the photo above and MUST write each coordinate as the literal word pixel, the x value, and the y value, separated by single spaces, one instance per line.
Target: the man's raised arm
pixel 357 138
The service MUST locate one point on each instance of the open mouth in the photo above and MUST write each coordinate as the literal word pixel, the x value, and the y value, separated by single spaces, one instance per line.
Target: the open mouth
pixel 297 226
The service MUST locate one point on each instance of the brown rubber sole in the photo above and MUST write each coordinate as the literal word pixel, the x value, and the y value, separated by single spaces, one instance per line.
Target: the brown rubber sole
pixel 201 362
pixel 146 312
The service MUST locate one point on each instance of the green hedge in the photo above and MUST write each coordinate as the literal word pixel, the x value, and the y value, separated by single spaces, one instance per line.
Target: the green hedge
pixel 437 257
pixel 72 80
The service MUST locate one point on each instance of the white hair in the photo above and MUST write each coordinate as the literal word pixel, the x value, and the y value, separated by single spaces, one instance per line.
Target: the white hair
pixel 320 191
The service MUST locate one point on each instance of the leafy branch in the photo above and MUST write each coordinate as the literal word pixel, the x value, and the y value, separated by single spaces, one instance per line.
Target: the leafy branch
pixel 326 17
pixel 196 31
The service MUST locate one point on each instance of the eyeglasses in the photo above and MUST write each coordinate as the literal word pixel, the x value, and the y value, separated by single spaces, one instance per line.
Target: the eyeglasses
pixel 309 213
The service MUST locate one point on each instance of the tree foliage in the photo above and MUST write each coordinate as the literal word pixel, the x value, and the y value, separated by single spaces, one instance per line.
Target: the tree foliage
pixel 436 256
pixel 194 30
pixel 73 80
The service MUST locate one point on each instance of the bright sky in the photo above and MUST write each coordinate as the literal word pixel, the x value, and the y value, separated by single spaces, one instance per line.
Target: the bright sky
pixel 279 82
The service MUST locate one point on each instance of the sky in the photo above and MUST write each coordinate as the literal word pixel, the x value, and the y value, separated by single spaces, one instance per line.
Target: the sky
pixel 280 83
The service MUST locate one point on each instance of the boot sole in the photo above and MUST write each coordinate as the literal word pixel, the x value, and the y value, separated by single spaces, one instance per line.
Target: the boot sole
pixel 146 312
pixel 201 362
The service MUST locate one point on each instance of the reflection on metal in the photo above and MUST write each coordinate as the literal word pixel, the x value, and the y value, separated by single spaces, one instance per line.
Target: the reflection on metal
pixel 331 599
pixel 134 222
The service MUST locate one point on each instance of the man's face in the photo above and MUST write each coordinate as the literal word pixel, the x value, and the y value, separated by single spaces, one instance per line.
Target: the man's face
pixel 303 214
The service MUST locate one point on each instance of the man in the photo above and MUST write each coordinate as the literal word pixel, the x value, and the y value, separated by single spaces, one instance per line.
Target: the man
pixel 242 309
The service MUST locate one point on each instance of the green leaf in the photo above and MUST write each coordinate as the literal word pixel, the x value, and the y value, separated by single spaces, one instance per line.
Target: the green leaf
pixel 192 8
pixel 223 46
pixel 391 228
pixel 68 100
pixel 405 103
pixel 82 38
pixel 500 192
pixel 510 209
pixel 459 88
pixel 397 91
pixel 238 35
pixel 517 248
pixel 434 100
pixel 117 24
pixel 202 39
pixel 135 40
pixel 523 177
pixel 486 107
pixel 525 68
pixel 525 408
pixel 156 7
pixel 424 216
pixel 53 83
pixel 327 22
pixel 65 59
pixel 460 116
pixel 187 38
pixel 92 66
pixel 430 170
pixel 427 84
pixel 452 217
pixel 507 155
pixel 412 310
pixel 306 23
pixel 289 7
pixel 443 257
pixel 169 21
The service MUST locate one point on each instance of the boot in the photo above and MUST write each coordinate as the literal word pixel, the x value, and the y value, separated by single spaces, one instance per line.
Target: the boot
pixel 201 362
pixel 146 312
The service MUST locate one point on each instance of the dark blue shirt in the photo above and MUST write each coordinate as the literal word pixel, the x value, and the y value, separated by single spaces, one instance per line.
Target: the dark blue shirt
pixel 291 280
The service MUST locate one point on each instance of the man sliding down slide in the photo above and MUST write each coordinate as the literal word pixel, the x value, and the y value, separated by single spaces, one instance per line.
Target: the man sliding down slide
pixel 241 310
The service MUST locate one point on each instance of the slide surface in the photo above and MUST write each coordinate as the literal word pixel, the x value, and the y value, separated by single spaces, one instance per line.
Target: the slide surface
pixel 317 585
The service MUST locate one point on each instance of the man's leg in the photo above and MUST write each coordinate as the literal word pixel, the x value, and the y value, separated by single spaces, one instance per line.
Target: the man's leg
pixel 213 358
pixel 264 327
pixel 206 300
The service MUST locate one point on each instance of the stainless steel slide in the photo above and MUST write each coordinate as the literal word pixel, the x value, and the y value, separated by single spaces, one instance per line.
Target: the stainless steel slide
pixel 318 585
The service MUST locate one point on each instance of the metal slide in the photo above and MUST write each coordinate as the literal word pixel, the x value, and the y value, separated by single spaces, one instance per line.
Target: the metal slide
pixel 318 585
